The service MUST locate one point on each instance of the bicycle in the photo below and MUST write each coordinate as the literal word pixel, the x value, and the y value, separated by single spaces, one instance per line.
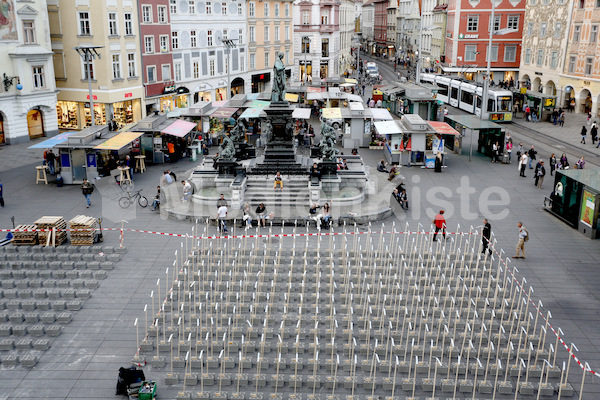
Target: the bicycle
pixel 128 200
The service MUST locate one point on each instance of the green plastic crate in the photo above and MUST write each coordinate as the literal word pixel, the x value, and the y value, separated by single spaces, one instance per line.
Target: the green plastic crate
pixel 144 394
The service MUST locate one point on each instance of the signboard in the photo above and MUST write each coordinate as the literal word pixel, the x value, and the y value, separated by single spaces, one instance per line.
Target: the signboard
pixel 588 204
pixel 549 102
pixel 429 162
pixel 65 160
pixel 367 128
pixel 91 160
pixel 501 117
pixel 437 145
pixel 523 90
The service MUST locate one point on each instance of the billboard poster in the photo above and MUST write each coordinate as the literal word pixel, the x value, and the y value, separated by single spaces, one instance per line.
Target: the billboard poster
pixel 588 204
pixel 8 23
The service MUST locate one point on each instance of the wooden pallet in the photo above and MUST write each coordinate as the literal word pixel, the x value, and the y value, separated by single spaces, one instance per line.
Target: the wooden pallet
pixel 25 238
pixel 85 236
pixel 50 222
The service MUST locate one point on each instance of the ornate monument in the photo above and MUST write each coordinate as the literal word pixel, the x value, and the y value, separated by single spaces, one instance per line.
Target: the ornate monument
pixel 278 91
pixel 328 150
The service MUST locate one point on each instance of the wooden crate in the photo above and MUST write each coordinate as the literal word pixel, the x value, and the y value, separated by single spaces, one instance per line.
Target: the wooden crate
pixel 25 238
pixel 49 222
pixel 83 230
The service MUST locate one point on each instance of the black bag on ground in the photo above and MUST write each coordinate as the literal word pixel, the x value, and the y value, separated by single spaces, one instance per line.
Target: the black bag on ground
pixel 127 376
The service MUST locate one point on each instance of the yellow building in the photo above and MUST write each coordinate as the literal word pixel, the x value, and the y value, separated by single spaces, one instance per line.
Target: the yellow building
pixel 270 31
pixel 117 88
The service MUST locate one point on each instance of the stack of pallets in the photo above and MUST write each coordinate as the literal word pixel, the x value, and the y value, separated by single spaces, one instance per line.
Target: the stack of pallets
pixel 25 238
pixel 83 230
pixel 47 223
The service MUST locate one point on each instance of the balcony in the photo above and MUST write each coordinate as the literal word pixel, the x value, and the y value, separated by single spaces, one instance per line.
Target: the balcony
pixel 327 28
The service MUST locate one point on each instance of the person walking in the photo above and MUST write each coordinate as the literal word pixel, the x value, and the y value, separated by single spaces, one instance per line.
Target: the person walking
pixel 594 132
pixel 536 177
pixel 221 201
pixel 87 189
pixel 440 224
pixel 520 151
pixel 523 237
pixel 523 165
pixel 495 150
pixel 221 215
pixel 486 234
pixel 583 134
pixel 553 163
pixel 509 146
pixel 561 119
pixel 531 153
pixel 1 195
pixel 564 162
pixel 540 175
pixel 51 161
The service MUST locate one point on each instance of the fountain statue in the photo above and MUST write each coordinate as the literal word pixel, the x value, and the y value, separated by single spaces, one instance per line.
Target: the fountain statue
pixel 278 91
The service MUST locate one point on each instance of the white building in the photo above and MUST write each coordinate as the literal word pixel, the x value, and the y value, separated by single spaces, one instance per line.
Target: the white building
pixel 408 28
pixel 347 32
pixel 367 25
pixel 27 86
pixel 200 57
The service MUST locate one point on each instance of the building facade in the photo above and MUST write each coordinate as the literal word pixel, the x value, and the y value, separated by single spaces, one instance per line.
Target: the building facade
pixel 156 56
pixel 200 32
pixel 317 39
pixel 407 28
pixel 347 33
pixel 380 26
pixel 392 10
pixel 467 33
pixel 117 84
pixel 544 52
pixel 27 89
pixel 367 26
pixel 579 85
pixel 438 39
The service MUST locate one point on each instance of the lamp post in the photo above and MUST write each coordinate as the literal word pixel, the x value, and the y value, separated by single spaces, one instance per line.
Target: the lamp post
pixel 88 53
pixel 229 44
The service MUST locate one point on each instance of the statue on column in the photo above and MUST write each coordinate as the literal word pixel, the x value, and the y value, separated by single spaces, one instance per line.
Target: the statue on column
pixel 278 91
pixel 327 145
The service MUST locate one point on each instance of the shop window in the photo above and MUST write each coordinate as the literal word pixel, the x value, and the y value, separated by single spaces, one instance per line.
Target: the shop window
pixel 84 24
pixel 66 112
pixel 131 67
pixel 128 24
pixel 39 78
pixel 29 32
pixel 123 112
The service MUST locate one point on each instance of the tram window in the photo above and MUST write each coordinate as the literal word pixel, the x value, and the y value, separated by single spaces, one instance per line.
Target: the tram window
pixel 478 105
pixel 443 89
pixel 490 105
pixel 466 97
pixel 454 93
pixel 504 103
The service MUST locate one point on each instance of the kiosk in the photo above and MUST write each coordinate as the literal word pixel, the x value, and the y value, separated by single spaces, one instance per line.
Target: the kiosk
pixel 473 128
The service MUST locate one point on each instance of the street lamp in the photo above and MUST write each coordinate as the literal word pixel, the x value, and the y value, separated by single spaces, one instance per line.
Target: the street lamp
pixel 230 44
pixel 305 49
pixel 88 54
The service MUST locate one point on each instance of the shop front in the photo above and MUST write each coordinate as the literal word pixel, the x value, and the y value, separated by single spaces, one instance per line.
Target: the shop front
pixel 259 82
pixel 174 98
pixel 77 115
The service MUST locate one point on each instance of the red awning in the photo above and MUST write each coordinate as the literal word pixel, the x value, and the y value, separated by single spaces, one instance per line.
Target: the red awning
pixel 443 128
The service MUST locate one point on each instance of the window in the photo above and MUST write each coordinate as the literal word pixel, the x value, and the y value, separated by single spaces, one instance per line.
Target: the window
pixel 266 34
pixel 224 8
pixel 196 69
pixel 209 36
pixel 470 53
pixel 39 79
pixel 571 64
pixel 497 20
pixel 597 3
pixel 287 57
pixel 510 53
pixel 287 10
pixel 473 23
pixel 557 29
pixel 211 67
pixel 128 24
pixel 84 24
pixel 251 9
pixel 576 32
pixel 166 72
pixel 151 73
pixel 252 34
pixel 193 39
pixel 252 60
pixel 324 17
pixel 305 17
pixel 529 28
pixel 112 24
pixel 267 61
pixel 554 59
pixel 173 6
pixel 224 35
pixel 28 32
pixel 208 8
pixel 305 45
pixel 540 57
pixel 513 22
pixel 85 70
pixel 276 38
pixel 162 14
pixel 164 43
pixel 545 2
pixel 543 29
pixel 494 53
pixel 589 62
pixel 227 65
pixel 174 40
pixel 149 44
pixel 287 32
pixel 266 10
pixel 277 9
pixel 324 47
pixel 191 7
pixel 116 66
pixel 533 2
pixel 594 34
pixel 177 72
pixel 131 69
pixel 147 14
pixel 240 37
pixel 527 56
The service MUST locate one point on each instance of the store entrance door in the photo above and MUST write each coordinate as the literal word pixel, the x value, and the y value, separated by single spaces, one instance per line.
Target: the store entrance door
pixel 35 124
pixel 78 161
pixel 2 128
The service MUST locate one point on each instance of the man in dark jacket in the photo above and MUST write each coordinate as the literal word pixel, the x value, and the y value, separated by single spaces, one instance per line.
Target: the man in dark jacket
pixel 531 153
pixel 486 234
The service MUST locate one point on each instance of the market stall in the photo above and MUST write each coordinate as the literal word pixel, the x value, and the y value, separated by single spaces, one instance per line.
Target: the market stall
pixel 471 128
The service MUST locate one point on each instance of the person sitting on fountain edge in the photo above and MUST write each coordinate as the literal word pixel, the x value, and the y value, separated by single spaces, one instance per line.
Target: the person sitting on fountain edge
pixel 315 172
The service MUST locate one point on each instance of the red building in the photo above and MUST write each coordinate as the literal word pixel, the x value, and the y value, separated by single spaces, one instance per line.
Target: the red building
pixel 467 39
pixel 157 60
pixel 381 25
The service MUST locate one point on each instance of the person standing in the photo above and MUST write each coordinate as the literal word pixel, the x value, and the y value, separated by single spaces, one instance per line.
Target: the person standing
pixel 540 175
pixel 87 189
pixel 536 177
pixel 531 153
pixel 594 132
pixel 440 224
pixel 520 151
pixel 221 201
pixel 564 162
pixel 1 195
pixel 583 134
pixel 509 147
pixel 495 152
pixel 552 164
pixel 486 234
pixel 523 237
pixel 221 215
pixel 523 165
pixel 51 161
